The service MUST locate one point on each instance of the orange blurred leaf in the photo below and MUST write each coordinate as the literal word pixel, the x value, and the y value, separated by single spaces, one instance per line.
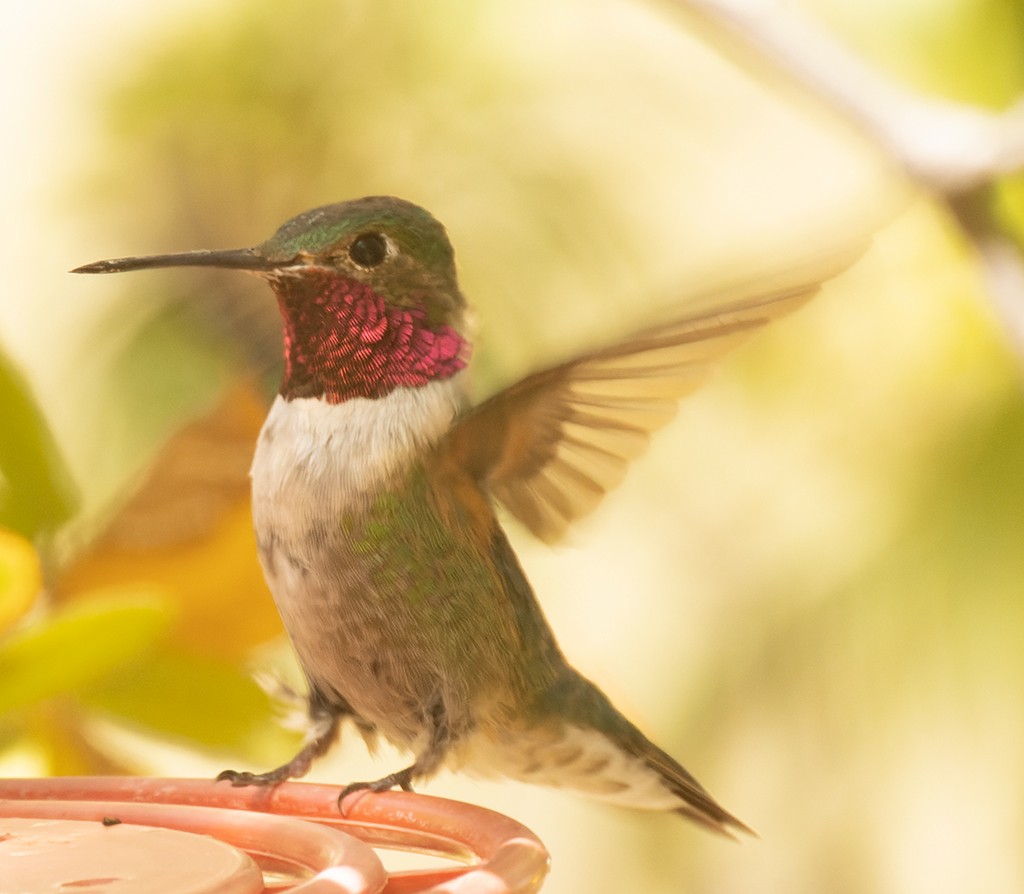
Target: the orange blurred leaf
pixel 188 528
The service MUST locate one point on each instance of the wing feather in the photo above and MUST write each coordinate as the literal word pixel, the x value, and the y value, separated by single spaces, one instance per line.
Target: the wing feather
pixel 549 447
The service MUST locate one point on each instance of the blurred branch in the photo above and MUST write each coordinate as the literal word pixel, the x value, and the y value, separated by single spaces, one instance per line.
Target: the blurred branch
pixel 953 150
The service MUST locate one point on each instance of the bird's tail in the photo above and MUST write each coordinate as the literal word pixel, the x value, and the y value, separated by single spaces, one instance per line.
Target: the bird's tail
pixel 697 804
pixel 579 741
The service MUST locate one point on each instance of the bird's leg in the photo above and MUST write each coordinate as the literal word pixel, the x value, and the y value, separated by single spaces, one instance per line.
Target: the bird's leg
pixel 322 735
pixel 427 761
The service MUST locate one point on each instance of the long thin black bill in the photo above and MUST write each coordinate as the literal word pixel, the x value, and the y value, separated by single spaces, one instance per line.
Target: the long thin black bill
pixel 234 259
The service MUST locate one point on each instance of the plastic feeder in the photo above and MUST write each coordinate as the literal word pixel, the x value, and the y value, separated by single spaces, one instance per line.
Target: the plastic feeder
pixel 123 835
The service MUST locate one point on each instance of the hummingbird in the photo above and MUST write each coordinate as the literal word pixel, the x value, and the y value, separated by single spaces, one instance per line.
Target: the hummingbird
pixel 374 487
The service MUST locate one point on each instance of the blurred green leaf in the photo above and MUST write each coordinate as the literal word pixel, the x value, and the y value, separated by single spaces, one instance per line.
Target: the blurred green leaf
pixel 213 704
pixel 36 492
pixel 1010 206
pixel 20 577
pixel 77 647
pixel 978 43
pixel 166 371
pixel 966 50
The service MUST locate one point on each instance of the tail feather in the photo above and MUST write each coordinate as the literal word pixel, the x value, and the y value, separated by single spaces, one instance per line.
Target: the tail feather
pixel 698 805
pixel 578 740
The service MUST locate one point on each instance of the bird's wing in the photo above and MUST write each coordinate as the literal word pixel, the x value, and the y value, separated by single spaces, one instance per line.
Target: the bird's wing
pixel 550 446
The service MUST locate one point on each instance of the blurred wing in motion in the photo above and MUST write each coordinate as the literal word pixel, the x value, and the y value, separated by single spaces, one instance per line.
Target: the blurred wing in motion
pixel 550 446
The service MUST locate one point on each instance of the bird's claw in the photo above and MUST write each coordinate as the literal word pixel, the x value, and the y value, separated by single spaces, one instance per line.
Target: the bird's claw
pixel 401 779
pixel 240 778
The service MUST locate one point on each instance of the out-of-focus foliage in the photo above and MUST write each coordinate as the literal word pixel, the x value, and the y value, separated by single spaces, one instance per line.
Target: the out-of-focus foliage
pixel 966 50
pixel 1011 204
pixel 20 577
pixel 810 587
pixel 187 528
pixel 36 494
pixel 173 571
pixel 76 647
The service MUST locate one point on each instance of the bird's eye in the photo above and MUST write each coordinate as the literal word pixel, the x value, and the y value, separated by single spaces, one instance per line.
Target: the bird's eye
pixel 368 250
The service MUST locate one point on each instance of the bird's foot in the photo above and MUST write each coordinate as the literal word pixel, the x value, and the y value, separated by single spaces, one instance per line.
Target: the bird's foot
pixel 297 766
pixel 239 778
pixel 402 779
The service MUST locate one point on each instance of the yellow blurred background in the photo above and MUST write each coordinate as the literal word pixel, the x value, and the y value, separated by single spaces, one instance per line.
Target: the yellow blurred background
pixel 808 590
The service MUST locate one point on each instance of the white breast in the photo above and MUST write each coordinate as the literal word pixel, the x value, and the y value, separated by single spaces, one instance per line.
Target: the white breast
pixel 315 459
